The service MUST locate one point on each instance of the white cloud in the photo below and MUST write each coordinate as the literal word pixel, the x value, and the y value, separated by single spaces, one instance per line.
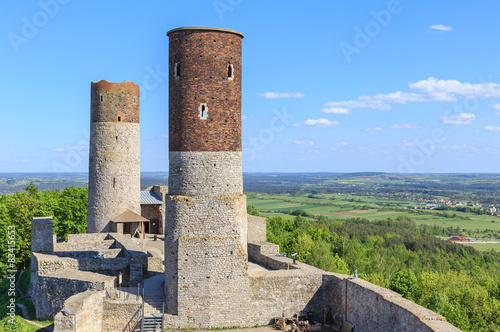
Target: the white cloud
pixel 275 95
pixel 79 148
pixel 59 150
pixel 375 130
pixel 383 101
pixel 491 128
pixel 344 143
pixel 428 90
pixel 304 143
pixel 243 117
pixel 459 119
pixel 441 27
pixel 18 161
pixel 318 123
pixel 406 126
pixel 336 110
pixel 447 87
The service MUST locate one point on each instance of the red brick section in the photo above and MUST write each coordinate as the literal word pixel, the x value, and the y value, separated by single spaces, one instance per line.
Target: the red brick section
pixel 117 101
pixel 204 57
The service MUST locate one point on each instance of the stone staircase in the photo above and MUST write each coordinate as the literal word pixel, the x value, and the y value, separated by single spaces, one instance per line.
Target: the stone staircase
pixel 153 305
pixel 153 324
pixel 153 309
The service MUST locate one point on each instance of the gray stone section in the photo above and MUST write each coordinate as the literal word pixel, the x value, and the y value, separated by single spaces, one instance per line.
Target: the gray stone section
pixel 204 173
pixel 85 313
pixel 256 229
pixel 114 173
pixel 42 235
pixel 206 259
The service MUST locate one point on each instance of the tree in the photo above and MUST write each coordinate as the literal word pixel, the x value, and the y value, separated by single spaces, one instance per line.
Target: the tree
pixel 252 210
pixel 405 283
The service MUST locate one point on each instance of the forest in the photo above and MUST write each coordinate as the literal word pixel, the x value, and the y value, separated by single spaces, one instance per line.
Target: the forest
pixel 456 281
pixel 453 280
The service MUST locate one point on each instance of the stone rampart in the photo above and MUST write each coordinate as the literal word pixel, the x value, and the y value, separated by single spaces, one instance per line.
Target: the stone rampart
pixel 265 254
pixel 372 308
pixel 119 315
pixel 256 229
pixel 85 312
pixel 72 238
pixel 53 289
pixel 107 253
pixel 84 245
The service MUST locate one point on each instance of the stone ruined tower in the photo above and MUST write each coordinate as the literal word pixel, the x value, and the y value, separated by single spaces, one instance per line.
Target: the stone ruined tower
pixel 114 154
pixel 206 227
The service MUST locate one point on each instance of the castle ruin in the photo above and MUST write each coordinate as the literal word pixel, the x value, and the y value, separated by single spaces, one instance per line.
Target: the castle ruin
pixel 218 270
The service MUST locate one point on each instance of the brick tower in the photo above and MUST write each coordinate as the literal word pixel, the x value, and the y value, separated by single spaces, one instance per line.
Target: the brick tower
pixel 114 154
pixel 206 227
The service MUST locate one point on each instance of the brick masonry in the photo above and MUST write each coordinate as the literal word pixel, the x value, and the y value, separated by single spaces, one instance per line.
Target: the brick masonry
pixel 204 57
pixel 108 101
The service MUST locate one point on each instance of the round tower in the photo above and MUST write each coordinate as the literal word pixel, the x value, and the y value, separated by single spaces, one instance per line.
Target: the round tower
pixel 114 154
pixel 206 226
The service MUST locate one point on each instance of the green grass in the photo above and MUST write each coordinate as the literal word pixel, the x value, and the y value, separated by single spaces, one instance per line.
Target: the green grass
pixel 20 323
pixel 270 205
pixel 485 246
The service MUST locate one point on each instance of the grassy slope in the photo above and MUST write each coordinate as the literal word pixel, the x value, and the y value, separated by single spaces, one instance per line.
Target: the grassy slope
pixel 21 324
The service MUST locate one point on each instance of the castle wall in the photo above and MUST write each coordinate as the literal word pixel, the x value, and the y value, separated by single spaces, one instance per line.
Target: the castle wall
pixel 372 308
pixel 42 235
pixel 205 173
pixel 119 315
pixel 256 229
pixel 54 289
pixel 114 154
pixel 85 313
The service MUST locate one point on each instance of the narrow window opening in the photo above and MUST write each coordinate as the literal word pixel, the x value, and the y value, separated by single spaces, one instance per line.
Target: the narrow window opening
pixel 119 118
pixel 114 182
pixel 117 138
pixel 230 71
pixel 203 110
pixel 102 98
pixel 135 100
pixel 177 70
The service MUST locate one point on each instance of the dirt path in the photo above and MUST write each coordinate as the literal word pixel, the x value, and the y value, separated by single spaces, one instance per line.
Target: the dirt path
pixel 17 284
pixel 25 316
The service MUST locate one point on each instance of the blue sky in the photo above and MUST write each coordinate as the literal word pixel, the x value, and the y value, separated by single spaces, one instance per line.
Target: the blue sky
pixel 328 86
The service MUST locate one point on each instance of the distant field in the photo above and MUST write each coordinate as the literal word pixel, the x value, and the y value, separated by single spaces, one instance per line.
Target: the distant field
pixel 485 246
pixel 347 206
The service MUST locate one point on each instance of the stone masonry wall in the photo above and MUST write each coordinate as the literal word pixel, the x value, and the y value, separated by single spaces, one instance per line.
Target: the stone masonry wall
pixel 283 292
pixel 42 235
pixel 85 313
pixel 372 308
pixel 53 289
pixel 114 173
pixel 256 229
pixel 205 258
pixel 119 315
pixel 205 173
pixel 84 245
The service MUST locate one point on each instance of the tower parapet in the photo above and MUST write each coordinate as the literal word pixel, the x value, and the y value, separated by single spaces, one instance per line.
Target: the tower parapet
pixel 114 154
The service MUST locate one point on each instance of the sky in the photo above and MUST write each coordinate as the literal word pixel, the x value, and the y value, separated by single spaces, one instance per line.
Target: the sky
pixel 328 86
